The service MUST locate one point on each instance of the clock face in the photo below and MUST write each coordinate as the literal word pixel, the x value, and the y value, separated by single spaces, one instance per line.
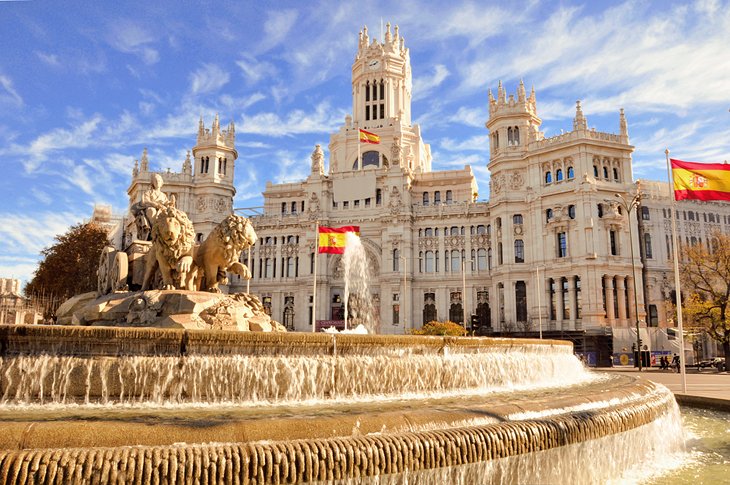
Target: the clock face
pixel 374 64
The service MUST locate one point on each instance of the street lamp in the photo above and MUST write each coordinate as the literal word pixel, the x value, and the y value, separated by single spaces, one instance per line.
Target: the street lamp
pixel 630 205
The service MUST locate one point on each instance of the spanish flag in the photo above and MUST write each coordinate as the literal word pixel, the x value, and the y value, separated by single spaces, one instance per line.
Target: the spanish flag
pixel 700 181
pixel 367 137
pixel 332 239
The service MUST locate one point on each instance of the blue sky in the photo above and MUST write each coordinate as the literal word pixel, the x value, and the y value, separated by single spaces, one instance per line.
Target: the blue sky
pixel 85 86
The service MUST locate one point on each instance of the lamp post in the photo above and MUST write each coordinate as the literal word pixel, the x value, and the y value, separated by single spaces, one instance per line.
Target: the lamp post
pixel 630 205
pixel 405 291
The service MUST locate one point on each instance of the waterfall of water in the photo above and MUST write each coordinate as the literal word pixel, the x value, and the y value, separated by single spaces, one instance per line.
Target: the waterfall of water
pixel 358 300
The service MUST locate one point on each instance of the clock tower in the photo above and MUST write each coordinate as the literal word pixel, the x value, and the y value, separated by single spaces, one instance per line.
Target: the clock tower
pixel 381 104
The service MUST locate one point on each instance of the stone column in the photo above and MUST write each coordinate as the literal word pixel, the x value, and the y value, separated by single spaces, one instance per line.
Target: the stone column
pixel 632 306
pixel 621 294
pixel 610 316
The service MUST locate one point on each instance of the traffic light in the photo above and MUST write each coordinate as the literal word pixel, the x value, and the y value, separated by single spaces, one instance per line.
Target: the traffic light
pixel 474 322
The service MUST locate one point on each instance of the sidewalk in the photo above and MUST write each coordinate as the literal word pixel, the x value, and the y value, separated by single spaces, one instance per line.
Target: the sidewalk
pixel 704 389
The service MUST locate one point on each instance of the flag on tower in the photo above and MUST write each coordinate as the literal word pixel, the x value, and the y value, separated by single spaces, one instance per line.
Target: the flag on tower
pixel 332 239
pixel 367 137
pixel 700 181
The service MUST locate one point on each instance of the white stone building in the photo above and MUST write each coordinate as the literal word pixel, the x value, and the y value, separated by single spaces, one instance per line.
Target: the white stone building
pixel 551 247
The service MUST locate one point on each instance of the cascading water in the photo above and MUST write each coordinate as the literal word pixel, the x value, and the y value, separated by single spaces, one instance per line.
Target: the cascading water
pixel 358 300
pixel 106 405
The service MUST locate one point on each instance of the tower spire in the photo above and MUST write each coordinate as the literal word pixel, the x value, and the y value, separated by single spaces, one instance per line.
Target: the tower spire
pixel 145 164
pixel 623 125
pixel 521 95
pixel 579 122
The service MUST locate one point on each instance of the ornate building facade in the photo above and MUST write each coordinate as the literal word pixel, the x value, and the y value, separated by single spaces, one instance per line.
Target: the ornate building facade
pixel 550 245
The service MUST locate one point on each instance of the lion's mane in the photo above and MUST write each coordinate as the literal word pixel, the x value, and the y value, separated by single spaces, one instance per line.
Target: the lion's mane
pixel 230 238
pixel 173 252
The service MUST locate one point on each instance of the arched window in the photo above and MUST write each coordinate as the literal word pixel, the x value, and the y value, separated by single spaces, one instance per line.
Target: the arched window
pixel 548 177
pixel 449 197
pixel 378 196
pixel 481 259
pixel 548 215
pixel 283 207
pixel 428 232
pixel 454 231
pixel 605 173
pixel 519 251
pixel 615 174
pixel 396 260
pixel 429 262
pixel 489 259
pixel 489 229
pixel 595 171
pixel 571 211
pixel 510 138
pixel 571 173
pixel 455 261
pixel 437 198
pixel 290 267
pixel 516 135
pixel 558 175
pixel 425 198
pixel 481 229
pixel 521 301
pixel 500 260
pixel 600 210
pixel 293 207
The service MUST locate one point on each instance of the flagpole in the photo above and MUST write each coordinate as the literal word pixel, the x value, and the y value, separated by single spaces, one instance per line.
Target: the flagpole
pixel 359 155
pixel 314 278
pixel 678 290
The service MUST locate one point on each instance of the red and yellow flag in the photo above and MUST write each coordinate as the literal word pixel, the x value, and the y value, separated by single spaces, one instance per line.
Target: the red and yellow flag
pixel 700 181
pixel 332 239
pixel 367 137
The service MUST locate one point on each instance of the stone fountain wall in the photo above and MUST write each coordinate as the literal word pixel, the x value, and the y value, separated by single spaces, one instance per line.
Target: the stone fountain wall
pixel 385 458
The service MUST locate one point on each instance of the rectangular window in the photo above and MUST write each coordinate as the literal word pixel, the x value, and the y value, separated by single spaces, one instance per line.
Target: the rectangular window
pixel 367 202
pixel 346 204
pixel 653 316
pixel 357 203
pixel 396 314
pixel 367 113
pixel 562 245
pixel 614 243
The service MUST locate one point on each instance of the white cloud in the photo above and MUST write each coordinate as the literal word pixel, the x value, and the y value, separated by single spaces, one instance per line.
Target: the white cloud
pixel 131 38
pixel 208 78
pixel 423 86
pixel 56 140
pixel 255 70
pixel 23 234
pixel 322 120
pixel 276 28
pixel 478 143
pixel 50 59
pixel 8 94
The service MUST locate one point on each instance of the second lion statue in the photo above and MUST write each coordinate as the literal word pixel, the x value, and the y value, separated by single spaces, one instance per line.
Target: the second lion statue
pixel 221 252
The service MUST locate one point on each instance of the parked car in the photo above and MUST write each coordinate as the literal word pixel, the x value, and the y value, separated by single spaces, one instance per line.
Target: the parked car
pixel 720 364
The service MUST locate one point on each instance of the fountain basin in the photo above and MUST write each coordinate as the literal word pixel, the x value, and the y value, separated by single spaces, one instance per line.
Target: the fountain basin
pixel 498 409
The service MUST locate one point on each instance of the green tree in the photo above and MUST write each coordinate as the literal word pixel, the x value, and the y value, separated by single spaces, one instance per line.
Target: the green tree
pixel 69 266
pixel 705 277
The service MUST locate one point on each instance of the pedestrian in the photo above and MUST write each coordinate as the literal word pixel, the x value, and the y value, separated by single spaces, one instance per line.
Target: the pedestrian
pixel 675 362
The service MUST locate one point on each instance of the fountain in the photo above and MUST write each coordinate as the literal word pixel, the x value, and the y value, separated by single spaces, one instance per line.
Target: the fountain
pixel 356 274
pixel 97 404
pixel 176 385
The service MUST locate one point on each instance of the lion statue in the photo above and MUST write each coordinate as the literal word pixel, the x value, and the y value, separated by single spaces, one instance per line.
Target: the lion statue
pixel 221 251
pixel 173 238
